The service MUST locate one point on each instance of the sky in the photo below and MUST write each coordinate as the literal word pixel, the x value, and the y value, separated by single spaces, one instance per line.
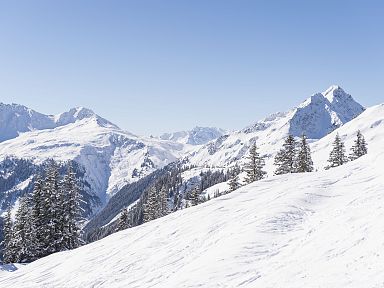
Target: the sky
pixel 159 66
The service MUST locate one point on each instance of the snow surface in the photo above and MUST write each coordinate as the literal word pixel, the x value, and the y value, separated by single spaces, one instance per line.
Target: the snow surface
pixel 320 229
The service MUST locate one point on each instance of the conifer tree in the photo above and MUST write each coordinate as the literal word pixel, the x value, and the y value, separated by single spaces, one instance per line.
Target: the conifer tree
pixel 254 166
pixel 163 201
pixel 337 156
pixel 72 209
pixel 304 161
pixel 359 148
pixel 150 204
pixel 234 183
pixel 23 232
pixel 123 222
pixel 194 196
pixel 53 238
pixel 285 159
pixel 38 216
pixel 9 250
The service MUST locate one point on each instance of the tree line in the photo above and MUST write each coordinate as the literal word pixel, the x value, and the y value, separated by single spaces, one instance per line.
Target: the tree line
pixel 46 221
pixel 295 157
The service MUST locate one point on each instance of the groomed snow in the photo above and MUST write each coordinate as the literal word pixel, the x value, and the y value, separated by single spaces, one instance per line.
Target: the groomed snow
pixel 322 229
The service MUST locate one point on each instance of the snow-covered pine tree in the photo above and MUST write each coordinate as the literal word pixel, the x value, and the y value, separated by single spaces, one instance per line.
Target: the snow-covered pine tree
pixel 254 166
pixel 164 201
pixel 38 216
pixel 359 148
pixel 52 228
pixel 234 183
pixel 304 161
pixel 150 205
pixel 72 209
pixel 123 222
pixel 23 232
pixel 337 156
pixel 286 158
pixel 194 196
pixel 9 251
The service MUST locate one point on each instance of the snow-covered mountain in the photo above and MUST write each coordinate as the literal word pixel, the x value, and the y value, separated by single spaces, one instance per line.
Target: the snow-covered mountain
pixel 113 158
pixel 110 156
pixel 196 136
pixel 317 116
pixel 16 119
pixel 320 229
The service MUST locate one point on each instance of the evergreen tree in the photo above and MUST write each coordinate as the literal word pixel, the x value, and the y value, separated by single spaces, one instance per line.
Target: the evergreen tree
pixel 163 201
pixel 285 159
pixel 123 222
pixel 234 183
pixel 38 216
pixel 304 160
pixel 194 196
pixel 9 250
pixel 53 228
pixel 23 232
pixel 150 205
pixel 359 148
pixel 254 167
pixel 337 156
pixel 72 210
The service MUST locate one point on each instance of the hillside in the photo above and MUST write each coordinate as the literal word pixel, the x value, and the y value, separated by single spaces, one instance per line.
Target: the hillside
pixel 321 229
pixel 326 111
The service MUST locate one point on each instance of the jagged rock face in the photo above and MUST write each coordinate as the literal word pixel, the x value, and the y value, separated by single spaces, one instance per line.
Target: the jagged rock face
pixel 324 112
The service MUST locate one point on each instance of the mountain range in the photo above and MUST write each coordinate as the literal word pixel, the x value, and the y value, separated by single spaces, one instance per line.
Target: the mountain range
pixel 113 158
pixel 320 229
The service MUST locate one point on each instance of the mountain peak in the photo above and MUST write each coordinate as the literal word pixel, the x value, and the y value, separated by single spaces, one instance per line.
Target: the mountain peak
pixel 323 112
pixel 16 119
pixel 335 92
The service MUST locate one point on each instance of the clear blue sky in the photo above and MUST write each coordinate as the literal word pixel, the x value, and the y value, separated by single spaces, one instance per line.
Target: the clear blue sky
pixel 156 66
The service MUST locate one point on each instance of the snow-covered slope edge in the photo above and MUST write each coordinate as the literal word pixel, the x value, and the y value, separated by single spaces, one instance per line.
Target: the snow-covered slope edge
pixel 320 229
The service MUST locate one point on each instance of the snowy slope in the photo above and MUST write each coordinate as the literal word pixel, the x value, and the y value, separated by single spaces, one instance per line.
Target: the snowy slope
pixel 111 156
pixel 321 229
pixel 316 117
pixel 196 136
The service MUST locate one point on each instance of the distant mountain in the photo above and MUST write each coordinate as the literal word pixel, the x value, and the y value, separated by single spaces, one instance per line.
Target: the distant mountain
pixel 110 157
pixel 16 119
pixel 317 116
pixel 196 136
